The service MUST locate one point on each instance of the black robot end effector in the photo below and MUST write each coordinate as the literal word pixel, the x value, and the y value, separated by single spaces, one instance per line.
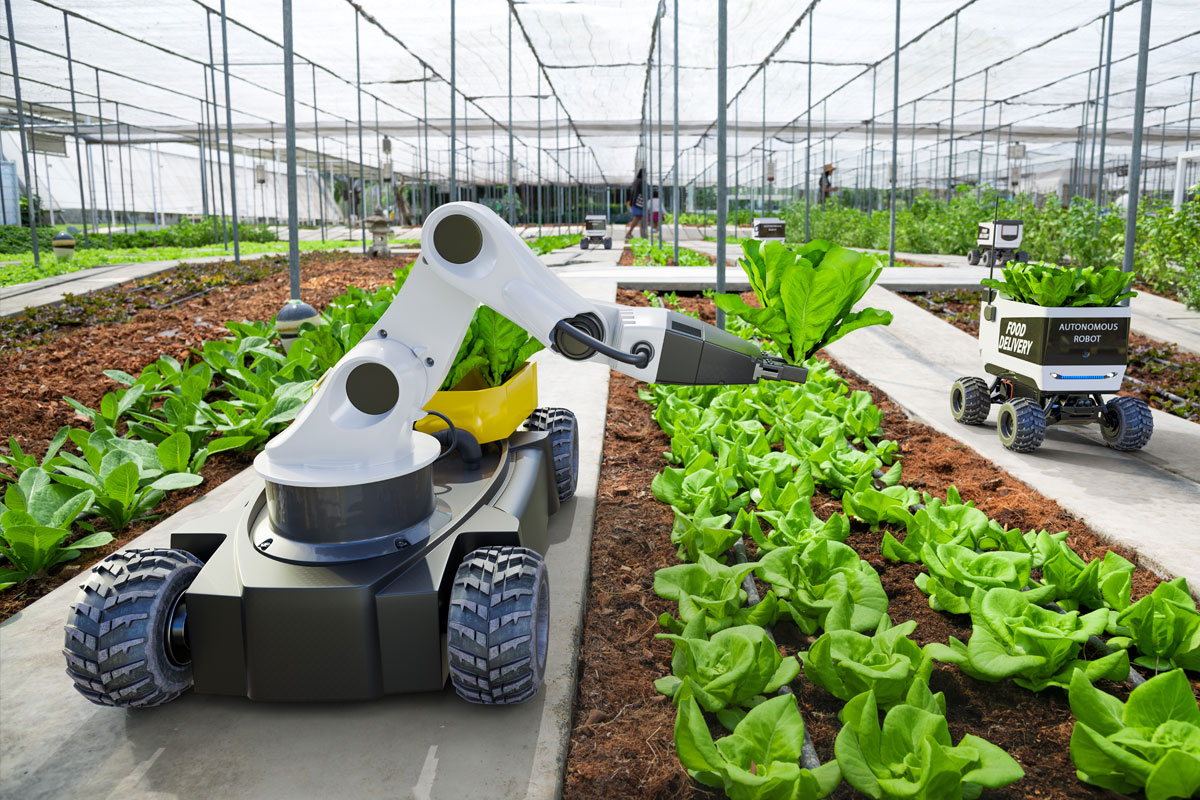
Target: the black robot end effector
pixel 696 353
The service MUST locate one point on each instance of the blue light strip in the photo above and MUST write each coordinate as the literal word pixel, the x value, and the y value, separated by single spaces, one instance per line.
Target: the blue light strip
pixel 1081 377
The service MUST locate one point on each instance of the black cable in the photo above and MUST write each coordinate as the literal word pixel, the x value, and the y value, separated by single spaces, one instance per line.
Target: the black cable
pixel 640 357
pixel 453 433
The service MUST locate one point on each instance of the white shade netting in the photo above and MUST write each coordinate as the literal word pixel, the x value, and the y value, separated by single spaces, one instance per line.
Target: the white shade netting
pixel 579 90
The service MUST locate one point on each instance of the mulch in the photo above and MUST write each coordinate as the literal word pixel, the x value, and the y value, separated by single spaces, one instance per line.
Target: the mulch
pixel 34 380
pixel 622 742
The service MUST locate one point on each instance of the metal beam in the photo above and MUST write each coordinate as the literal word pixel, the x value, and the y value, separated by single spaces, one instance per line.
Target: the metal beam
pixel 1135 161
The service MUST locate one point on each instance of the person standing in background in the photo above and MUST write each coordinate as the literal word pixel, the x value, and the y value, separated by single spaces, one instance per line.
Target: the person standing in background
pixel 635 199
pixel 655 209
pixel 825 186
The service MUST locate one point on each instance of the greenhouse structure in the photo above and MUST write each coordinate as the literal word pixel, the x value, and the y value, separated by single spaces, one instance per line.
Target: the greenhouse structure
pixel 759 398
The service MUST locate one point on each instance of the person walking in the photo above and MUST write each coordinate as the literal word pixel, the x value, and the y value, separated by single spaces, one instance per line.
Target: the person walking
pixel 635 199
pixel 825 186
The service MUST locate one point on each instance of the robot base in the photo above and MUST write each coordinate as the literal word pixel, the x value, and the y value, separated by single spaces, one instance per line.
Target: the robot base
pixel 1026 412
pixel 256 625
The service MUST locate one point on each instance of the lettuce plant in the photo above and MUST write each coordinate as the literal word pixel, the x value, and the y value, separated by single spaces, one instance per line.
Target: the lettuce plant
pixel 799 526
pixel 702 532
pixel 806 296
pixel 759 760
pixel 878 506
pixel 686 489
pixel 939 522
pixel 955 572
pixel 1052 286
pixel 19 461
pixel 1164 626
pixel 847 663
pixel 494 345
pixel 733 668
pixel 1150 742
pixel 912 754
pixel 712 591
pixel 1036 647
pixel 825 585
pixel 1099 583
pixel 36 521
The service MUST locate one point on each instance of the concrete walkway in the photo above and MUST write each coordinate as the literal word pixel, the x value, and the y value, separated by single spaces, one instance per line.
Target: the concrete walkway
pixel 56 744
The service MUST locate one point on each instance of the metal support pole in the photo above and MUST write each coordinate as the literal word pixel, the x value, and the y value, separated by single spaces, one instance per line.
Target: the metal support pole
pixel 871 158
pixel 999 128
pixel 658 162
pixel 953 93
pixel 29 199
pixel 103 152
pixel 203 177
pixel 648 183
pixel 212 73
pixel 808 136
pixel 154 181
pixel 1112 10
pixel 895 136
pixel 912 157
pixel 75 127
pixel 237 247
pixel 1135 160
pixel 722 178
pixel 428 206
pixel 737 164
pixel 454 113
pixel 1187 141
pixel 982 131
pixel 362 181
pixel 539 149
pixel 289 90
pixel 120 169
pixel 508 201
pixel 762 200
pixel 212 180
pixel 275 163
pixel 675 130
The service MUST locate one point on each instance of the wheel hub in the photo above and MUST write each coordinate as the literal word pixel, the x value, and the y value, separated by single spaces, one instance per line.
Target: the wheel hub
pixel 178 651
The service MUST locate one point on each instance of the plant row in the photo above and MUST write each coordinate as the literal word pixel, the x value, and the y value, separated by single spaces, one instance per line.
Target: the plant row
pixel 745 463
pixel 646 253
pixel 1081 233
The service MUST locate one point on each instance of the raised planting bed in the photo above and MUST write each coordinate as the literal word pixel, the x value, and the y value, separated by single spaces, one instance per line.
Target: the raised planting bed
pixel 62 351
pixel 644 253
pixel 623 729
pixel 1166 377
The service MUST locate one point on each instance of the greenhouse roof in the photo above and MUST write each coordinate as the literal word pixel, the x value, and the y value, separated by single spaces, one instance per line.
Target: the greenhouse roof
pixel 586 75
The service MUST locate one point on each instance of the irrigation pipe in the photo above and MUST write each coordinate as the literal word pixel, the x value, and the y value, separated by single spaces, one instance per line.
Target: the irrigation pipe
pixel 808 753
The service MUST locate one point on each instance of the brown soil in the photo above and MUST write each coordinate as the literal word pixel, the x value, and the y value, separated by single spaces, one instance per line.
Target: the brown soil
pixel 622 742
pixel 34 380
pixel 1156 370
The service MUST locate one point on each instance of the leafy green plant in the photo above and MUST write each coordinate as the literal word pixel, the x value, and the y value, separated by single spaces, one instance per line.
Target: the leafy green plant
pixel 825 585
pixel 848 663
pixel 1150 742
pixel 1051 286
pixel 759 760
pixel 495 346
pixel 877 506
pixel 806 296
pixel 1100 583
pixel 712 591
pixel 956 572
pixel 1164 626
pixel 797 527
pixel 128 483
pixel 702 532
pixel 940 522
pixel 1036 647
pixel 35 524
pixel 734 668
pixel 20 461
pixel 912 754
pixel 113 406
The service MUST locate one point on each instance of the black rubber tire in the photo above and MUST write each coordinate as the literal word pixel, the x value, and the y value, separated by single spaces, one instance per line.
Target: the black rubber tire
pixel 116 643
pixel 973 257
pixel 564 444
pixel 988 258
pixel 1021 424
pixel 1127 423
pixel 970 401
pixel 583 243
pixel 1022 257
pixel 499 625
pixel 608 243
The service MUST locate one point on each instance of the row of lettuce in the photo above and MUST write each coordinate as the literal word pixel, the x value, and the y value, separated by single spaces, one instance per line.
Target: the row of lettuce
pixel 745 463
pixel 155 433
pixel 732 480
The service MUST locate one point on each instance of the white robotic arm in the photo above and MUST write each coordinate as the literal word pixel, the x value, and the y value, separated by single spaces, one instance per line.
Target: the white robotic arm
pixel 358 427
